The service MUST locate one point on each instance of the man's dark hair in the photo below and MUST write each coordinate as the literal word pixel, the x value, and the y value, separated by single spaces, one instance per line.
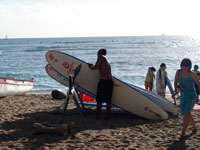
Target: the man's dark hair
pixel 103 51
pixel 162 65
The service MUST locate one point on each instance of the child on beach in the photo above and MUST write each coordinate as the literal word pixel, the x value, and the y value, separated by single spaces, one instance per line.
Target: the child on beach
pixel 150 76
pixel 186 79
pixel 105 85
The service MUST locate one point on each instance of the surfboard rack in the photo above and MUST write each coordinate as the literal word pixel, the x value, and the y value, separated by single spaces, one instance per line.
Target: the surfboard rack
pixel 72 93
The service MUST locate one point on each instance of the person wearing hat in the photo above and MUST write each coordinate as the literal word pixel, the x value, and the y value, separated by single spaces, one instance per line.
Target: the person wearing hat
pixel 160 80
pixel 196 67
pixel 184 80
pixel 149 78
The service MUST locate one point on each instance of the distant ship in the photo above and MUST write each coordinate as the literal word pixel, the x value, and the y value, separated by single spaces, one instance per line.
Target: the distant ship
pixel 6 37
pixel 163 34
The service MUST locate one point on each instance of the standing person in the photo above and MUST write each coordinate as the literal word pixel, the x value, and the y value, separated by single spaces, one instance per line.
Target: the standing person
pixel 150 76
pixel 105 85
pixel 196 71
pixel 186 79
pixel 160 80
pixel 196 67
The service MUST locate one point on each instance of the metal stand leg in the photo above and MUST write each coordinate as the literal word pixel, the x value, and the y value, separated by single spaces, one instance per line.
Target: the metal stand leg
pixel 76 99
pixel 72 93
pixel 81 102
pixel 64 109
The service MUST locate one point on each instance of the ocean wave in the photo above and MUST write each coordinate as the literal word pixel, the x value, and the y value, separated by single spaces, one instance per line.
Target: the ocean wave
pixel 142 43
pixel 41 48
pixel 44 48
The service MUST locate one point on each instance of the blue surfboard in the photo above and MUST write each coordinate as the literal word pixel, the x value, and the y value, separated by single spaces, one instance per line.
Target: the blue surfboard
pixel 95 104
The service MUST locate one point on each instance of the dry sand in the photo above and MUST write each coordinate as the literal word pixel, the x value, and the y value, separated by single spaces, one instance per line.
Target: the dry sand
pixel 123 131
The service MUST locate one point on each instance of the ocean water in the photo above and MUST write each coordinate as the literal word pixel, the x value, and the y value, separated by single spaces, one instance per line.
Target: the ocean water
pixel 130 57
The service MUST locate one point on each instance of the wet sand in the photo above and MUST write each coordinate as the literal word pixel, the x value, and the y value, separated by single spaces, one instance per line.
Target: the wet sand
pixel 122 131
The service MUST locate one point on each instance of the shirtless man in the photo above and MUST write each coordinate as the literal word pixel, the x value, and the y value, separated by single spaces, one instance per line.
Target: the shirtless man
pixel 105 85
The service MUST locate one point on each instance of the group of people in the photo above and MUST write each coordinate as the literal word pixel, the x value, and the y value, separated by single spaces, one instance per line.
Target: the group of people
pixel 159 79
pixel 185 82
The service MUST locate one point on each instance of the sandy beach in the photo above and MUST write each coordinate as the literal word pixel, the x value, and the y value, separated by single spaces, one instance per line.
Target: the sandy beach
pixel 123 131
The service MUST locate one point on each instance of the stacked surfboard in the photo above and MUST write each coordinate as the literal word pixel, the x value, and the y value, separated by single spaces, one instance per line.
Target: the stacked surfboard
pixel 125 96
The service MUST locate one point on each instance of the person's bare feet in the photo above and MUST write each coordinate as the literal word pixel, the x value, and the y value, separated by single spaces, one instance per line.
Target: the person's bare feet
pixel 194 131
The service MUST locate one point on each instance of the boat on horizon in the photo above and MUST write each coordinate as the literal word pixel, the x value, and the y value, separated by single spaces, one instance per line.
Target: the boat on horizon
pixel 6 37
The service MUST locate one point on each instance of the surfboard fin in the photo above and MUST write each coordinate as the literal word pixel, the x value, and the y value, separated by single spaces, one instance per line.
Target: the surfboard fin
pixel 77 70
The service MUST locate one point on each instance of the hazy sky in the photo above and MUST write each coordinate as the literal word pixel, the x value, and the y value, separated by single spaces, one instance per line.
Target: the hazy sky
pixel 75 18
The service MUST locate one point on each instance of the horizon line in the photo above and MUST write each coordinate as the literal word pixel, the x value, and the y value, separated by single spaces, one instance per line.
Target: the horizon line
pixel 162 35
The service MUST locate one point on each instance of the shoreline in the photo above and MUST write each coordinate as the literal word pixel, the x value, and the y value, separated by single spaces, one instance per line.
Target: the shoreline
pixel 123 131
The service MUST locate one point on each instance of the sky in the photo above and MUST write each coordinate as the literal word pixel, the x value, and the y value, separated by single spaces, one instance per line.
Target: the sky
pixel 85 18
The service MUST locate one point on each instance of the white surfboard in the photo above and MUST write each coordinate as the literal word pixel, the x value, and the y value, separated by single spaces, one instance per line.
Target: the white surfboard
pixel 124 96
pixel 63 80
pixel 162 102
